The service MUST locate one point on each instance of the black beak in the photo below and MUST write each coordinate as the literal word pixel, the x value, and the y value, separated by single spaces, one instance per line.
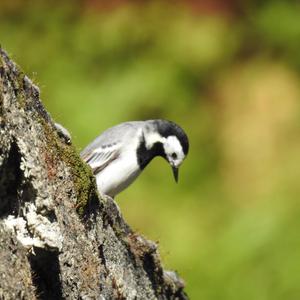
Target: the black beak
pixel 175 173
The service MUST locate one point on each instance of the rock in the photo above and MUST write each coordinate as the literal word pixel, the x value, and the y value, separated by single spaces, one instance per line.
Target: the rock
pixel 58 239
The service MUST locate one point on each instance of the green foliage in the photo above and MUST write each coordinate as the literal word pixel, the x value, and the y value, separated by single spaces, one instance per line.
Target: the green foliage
pixel 278 27
pixel 231 225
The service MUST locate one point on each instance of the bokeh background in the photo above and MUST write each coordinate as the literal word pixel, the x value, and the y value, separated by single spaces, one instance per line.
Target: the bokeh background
pixel 228 72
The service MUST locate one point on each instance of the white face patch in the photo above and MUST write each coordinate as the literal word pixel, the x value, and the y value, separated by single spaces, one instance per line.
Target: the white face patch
pixel 153 138
pixel 174 151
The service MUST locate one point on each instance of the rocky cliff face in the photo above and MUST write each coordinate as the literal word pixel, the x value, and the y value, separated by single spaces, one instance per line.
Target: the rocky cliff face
pixel 58 239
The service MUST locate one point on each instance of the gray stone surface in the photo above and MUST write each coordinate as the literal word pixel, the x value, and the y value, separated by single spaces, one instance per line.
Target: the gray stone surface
pixel 58 239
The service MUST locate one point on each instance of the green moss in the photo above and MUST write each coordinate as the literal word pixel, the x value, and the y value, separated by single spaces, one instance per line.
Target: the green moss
pixel 83 179
pixel 19 86
pixel 1 107
pixel 1 89
pixel 1 61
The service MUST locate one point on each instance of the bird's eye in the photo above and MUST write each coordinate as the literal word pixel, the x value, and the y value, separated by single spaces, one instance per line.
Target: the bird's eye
pixel 174 155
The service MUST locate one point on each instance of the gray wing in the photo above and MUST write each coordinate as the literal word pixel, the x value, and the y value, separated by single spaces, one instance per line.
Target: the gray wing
pixel 107 147
pixel 100 158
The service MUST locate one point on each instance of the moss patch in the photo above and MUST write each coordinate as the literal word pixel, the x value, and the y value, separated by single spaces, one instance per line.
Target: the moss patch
pixel 1 61
pixel 1 107
pixel 20 92
pixel 1 88
pixel 83 179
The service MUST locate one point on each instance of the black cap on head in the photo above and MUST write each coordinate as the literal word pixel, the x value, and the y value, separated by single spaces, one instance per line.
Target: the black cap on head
pixel 168 128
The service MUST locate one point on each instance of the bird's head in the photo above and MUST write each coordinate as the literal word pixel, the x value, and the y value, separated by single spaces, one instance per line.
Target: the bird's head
pixel 174 153
pixel 175 144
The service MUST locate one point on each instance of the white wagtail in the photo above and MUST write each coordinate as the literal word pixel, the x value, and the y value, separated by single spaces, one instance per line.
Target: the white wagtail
pixel 120 153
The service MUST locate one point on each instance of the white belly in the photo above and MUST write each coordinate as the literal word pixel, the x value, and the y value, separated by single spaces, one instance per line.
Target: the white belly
pixel 117 176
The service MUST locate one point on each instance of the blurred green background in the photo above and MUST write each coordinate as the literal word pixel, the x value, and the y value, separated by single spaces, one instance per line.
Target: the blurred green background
pixel 228 72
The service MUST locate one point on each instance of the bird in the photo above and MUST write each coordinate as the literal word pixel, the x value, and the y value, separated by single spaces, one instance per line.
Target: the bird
pixel 119 155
